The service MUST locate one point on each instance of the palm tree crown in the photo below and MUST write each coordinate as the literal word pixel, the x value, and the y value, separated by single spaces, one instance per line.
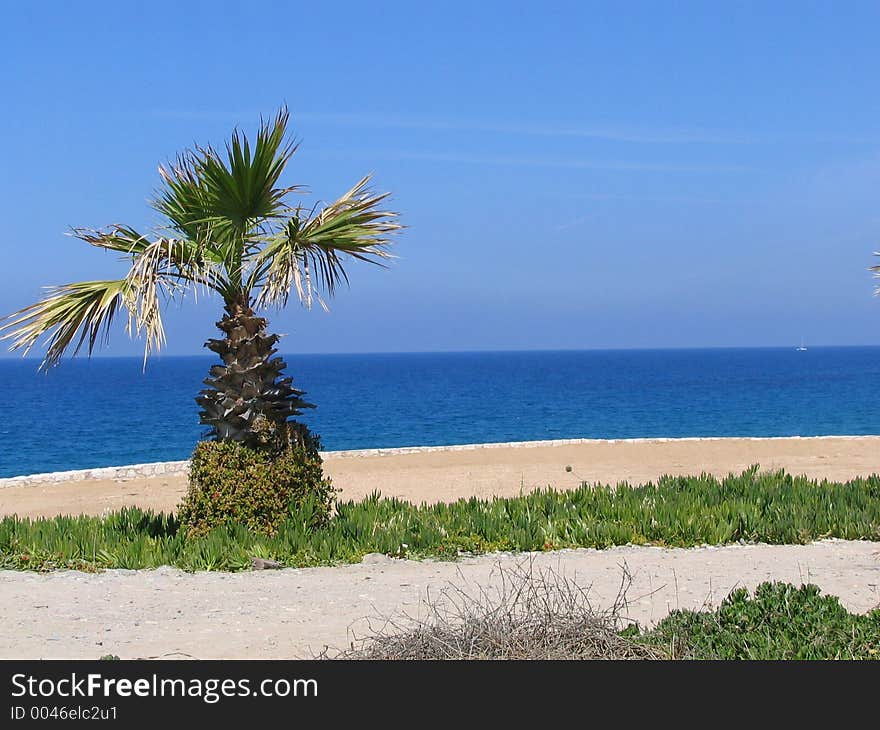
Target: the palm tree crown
pixel 230 229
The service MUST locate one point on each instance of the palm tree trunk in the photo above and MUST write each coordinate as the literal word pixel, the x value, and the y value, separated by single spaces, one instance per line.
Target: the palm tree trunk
pixel 247 390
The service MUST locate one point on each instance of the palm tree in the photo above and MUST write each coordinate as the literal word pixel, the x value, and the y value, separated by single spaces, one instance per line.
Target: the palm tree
pixel 229 229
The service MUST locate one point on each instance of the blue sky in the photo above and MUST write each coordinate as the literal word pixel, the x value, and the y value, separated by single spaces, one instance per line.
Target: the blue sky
pixel 572 175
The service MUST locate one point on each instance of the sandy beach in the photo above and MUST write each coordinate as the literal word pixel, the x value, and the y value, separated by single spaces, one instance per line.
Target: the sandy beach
pixel 435 474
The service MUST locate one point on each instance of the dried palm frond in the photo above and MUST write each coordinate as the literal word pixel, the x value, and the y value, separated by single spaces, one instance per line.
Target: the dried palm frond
pixel 78 312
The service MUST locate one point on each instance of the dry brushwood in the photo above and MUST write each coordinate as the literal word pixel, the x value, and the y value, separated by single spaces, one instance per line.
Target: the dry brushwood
pixel 528 614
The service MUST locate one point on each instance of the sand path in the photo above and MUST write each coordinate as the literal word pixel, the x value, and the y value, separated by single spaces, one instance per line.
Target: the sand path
pixel 438 474
pixel 292 613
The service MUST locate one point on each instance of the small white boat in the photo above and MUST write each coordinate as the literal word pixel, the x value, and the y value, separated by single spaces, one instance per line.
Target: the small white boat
pixel 801 348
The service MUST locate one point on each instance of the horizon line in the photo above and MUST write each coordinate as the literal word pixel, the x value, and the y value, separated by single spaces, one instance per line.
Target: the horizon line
pixel 690 348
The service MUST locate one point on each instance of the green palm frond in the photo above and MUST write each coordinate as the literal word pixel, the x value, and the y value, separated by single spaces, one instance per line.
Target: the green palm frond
pixel 186 202
pixel 308 255
pixel 222 202
pixel 243 187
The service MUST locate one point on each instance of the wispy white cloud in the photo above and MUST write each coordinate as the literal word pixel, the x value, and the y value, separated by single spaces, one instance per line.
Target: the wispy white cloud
pixel 647 198
pixel 615 133
pixel 514 161
pixel 572 223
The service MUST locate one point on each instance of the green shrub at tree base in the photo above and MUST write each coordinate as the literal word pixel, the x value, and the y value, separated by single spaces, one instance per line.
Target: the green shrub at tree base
pixel 259 486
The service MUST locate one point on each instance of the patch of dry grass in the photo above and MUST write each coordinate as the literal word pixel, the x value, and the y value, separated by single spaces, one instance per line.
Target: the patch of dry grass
pixel 527 614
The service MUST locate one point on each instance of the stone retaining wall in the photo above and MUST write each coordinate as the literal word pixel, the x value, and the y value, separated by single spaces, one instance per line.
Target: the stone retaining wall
pixel 131 471
pixel 172 468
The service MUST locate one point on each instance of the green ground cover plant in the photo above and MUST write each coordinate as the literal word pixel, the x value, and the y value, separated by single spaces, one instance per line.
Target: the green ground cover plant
pixel 779 621
pixel 770 507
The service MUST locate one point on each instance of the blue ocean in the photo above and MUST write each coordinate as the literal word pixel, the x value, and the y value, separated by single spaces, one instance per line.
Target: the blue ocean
pixel 109 411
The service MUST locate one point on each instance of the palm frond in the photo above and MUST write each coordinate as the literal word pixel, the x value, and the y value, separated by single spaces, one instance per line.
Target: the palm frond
pixel 184 199
pixel 161 268
pixel 181 261
pixel 876 270
pixel 243 187
pixel 308 255
pixel 78 312
pixel 122 239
